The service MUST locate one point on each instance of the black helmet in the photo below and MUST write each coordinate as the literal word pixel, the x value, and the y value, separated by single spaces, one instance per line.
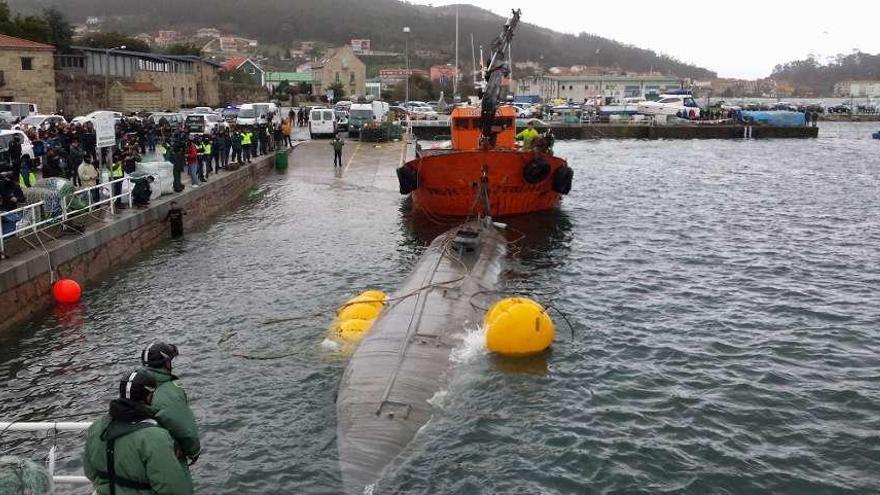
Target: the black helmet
pixel 137 385
pixel 158 354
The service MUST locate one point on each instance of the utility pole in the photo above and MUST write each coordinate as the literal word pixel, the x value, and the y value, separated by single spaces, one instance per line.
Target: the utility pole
pixel 107 73
pixel 406 56
pixel 455 74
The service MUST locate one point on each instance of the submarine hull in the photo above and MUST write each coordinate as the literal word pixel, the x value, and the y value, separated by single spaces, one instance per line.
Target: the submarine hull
pixel 383 396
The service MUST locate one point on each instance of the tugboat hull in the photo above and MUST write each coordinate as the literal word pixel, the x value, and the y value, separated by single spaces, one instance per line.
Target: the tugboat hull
pixel 448 184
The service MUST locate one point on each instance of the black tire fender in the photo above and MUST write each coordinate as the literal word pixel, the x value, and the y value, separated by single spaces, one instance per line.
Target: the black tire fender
pixel 562 178
pixel 408 179
pixel 536 170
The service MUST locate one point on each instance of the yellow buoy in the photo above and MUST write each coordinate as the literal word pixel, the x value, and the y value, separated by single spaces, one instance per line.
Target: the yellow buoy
pixel 518 326
pixel 353 331
pixel 355 318
pixel 359 311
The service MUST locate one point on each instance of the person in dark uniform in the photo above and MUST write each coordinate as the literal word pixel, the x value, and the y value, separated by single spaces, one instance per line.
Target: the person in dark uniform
pixel 175 218
pixel 337 144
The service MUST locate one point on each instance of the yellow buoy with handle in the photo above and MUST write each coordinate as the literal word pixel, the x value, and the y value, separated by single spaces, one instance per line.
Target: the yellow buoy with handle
pixel 518 326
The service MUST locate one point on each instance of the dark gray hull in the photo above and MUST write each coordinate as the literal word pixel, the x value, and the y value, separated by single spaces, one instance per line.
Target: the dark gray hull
pixel 384 392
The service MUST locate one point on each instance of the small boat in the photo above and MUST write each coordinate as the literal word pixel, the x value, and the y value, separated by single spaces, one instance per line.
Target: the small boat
pixel 485 172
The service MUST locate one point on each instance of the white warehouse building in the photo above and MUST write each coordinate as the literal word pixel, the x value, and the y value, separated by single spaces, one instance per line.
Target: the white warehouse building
pixel 581 87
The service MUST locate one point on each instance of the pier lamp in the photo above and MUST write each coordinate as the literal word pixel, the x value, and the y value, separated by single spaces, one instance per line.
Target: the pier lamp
pixel 406 56
pixel 107 72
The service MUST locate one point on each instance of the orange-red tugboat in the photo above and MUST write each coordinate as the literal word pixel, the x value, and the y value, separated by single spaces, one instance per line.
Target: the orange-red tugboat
pixel 485 172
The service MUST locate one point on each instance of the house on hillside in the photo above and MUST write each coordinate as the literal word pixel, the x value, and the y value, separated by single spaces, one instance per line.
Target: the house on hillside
pixel 247 67
pixel 27 72
pixel 339 65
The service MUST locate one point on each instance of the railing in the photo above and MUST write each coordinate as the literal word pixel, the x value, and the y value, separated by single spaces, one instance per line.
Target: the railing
pixel 52 427
pixel 32 212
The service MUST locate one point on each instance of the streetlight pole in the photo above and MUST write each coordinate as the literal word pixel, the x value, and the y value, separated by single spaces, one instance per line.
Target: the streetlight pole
pixel 107 72
pixel 406 56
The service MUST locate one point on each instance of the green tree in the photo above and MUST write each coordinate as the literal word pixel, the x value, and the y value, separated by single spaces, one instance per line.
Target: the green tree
pixel 420 89
pixel 112 40
pixel 60 32
pixel 338 91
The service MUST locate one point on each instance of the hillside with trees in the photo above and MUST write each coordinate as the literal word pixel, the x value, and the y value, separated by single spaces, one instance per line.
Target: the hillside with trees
pixel 283 22
pixel 813 78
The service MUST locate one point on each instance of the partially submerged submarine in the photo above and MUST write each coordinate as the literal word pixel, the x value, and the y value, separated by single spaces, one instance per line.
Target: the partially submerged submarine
pixel 383 396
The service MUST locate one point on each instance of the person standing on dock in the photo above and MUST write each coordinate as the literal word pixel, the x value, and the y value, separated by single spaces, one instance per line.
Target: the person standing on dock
pixel 237 146
pixel 170 401
pixel 337 144
pixel 127 451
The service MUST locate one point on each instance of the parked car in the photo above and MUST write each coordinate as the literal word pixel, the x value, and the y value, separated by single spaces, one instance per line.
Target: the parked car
pixel 6 137
pixel 38 121
pixel 204 123
pixel 341 120
pixel 82 119
pixel 671 104
pixel 203 110
pixel 322 122
pixel 424 113
pixel 171 117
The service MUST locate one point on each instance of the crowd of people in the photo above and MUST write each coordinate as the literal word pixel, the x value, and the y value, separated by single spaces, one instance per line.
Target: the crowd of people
pixel 71 151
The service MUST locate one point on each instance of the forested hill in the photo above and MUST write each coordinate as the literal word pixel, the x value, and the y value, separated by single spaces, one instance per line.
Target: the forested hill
pixel 811 77
pixel 338 21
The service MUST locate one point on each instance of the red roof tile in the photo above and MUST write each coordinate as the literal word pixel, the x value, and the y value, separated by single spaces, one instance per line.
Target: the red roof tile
pixel 234 63
pixel 11 42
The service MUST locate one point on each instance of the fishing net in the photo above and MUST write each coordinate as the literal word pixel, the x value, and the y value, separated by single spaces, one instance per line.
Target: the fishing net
pixel 19 476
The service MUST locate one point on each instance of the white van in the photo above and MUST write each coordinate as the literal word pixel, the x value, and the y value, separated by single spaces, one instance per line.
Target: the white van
pixel 264 109
pixel 248 114
pixel 322 122
pixel 18 109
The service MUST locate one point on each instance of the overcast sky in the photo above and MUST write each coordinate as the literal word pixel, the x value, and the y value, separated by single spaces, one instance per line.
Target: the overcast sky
pixel 746 40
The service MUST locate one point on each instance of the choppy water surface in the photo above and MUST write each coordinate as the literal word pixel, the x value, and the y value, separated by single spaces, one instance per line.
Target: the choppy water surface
pixel 724 298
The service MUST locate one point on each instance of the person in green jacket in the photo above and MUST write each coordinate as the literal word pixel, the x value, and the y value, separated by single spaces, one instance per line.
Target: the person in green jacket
pixel 170 400
pixel 527 136
pixel 127 452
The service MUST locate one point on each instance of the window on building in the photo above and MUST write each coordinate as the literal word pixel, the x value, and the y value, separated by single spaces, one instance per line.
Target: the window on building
pixel 27 63
pixel 182 94
pixel 190 92
pixel 337 77
pixel 351 78
pixel 571 88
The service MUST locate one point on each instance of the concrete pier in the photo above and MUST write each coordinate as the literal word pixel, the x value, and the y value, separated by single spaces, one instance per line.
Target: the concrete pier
pixel 626 131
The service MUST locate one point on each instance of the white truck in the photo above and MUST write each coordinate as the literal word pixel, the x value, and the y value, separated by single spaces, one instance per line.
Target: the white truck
pixel 360 114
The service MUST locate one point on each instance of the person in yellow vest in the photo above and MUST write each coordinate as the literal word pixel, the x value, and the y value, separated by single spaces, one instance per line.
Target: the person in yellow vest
pixel 200 146
pixel 116 172
pixel 528 136
pixel 247 137
pixel 26 177
pixel 207 148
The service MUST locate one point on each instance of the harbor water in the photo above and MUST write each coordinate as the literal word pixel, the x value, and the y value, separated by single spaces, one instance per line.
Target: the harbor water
pixel 724 331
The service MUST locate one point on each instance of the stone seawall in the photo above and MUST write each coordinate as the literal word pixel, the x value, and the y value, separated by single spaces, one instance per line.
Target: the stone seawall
pixel 26 281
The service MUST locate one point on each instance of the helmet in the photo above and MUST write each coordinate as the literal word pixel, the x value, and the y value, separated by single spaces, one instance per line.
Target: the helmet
pixel 137 385
pixel 158 354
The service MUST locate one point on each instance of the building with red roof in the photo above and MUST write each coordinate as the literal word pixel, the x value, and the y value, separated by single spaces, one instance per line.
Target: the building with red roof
pixel 27 72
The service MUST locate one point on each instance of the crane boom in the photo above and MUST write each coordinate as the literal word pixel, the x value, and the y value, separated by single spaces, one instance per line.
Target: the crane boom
pixel 495 69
